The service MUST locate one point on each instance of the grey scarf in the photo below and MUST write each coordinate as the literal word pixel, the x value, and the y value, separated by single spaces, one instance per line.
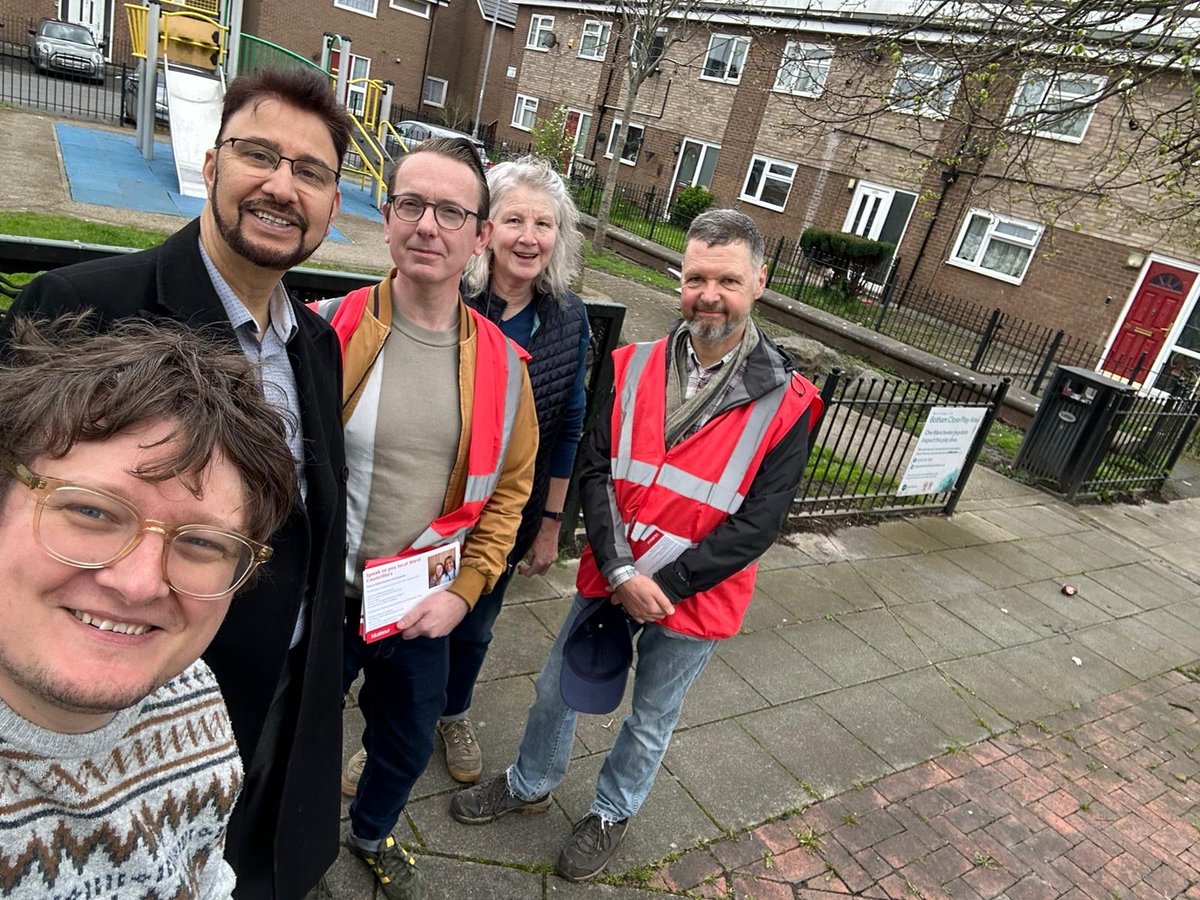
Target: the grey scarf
pixel 684 416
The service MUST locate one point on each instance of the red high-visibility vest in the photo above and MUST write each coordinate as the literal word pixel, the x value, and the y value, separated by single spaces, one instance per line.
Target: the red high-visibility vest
pixel 496 399
pixel 689 490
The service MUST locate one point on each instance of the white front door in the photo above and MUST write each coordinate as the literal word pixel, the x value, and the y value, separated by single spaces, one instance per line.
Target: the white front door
pixel 88 13
pixel 879 213
pixel 696 164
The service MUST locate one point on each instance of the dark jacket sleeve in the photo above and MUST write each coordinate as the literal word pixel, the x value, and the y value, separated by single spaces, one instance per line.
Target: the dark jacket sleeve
pixel 748 533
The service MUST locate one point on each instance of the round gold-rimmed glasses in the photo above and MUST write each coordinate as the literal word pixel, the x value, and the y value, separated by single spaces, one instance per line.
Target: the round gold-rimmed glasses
pixel 93 529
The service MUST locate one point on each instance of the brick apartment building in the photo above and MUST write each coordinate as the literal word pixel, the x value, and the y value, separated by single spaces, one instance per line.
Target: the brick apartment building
pixel 737 107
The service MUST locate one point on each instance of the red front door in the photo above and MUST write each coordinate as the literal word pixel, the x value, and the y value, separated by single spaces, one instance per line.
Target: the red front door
pixel 1154 310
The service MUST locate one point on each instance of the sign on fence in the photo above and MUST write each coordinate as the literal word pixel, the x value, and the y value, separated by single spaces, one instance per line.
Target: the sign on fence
pixel 941 450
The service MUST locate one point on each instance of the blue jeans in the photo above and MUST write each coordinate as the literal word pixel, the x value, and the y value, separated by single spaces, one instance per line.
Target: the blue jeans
pixel 469 645
pixel 666 667
pixel 403 693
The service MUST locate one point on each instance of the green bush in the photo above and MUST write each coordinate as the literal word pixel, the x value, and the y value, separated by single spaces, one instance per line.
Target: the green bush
pixel 690 203
pixel 848 256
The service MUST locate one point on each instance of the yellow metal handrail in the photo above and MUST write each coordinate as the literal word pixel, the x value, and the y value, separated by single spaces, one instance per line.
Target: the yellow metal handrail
pixel 372 161
pixel 388 129
pixel 174 27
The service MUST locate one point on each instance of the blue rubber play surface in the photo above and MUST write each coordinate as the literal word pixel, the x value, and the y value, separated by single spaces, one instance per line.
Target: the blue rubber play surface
pixel 106 168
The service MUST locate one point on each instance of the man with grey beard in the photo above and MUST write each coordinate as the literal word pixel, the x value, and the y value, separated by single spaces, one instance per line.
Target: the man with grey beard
pixel 272 181
pixel 686 479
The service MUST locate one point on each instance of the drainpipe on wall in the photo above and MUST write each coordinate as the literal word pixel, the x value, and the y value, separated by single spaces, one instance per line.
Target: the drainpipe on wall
pixel 949 176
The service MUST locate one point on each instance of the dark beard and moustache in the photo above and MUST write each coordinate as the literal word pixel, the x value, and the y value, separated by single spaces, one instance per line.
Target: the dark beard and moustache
pixel 713 332
pixel 235 237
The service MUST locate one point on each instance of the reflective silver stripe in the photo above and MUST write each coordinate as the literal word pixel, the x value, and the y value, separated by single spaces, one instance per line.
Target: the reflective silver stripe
pixel 624 469
pixel 725 493
pixel 480 487
pixel 430 538
pixel 633 374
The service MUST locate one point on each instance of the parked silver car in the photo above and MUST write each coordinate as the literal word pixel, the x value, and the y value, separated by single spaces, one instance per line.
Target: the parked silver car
pixel 56 46
pixel 129 98
pixel 413 133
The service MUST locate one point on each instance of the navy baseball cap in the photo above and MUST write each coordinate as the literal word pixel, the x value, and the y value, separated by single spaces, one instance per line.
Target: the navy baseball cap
pixel 596 658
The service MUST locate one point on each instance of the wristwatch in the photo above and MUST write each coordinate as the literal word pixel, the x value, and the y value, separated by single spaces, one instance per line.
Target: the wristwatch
pixel 551 514
pixel 620 575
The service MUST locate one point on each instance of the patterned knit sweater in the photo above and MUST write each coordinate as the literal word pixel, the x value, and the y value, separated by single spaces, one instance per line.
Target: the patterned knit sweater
pixel 137 809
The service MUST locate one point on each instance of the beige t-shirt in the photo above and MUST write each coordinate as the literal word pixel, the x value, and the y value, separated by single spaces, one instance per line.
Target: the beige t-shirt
pixel 416 437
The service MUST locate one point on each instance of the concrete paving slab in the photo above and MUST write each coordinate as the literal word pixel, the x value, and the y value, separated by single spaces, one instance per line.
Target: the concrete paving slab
pixel 907 535
pixel 1077 610
pixel 782 555
pixel 552 614
pixel 719 693
pixel 1174 650
pixel 1116 643
pixel 736 780
pixel 773 666
pixel 1103 598
pixel 865 542
pixel 561 577
pixel 839 652
pixel 989 615
pixel 1183 554
pixel 1066 670
pixel 985 567
pixel 844 579
pixel 1015 555
pixel 1028 521
pixel 1177 622
pixel 1147 584
pixel 1074 553
pixel 817 547
pixel 953 636
pixel 961 717
pixel 821 754
pixel 765 614
pixel 452 879
pixel 1039 617
pixel 558 889
pixel 899 642
pixel 895 732
pixel 963 530
pixel 498 711
pixel 520 644
pixel 522 589
pixel 1000 689
pixel 929 576
pixel 802 595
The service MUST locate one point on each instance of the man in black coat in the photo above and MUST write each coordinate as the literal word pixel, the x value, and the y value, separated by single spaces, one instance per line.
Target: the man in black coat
pixel 272 194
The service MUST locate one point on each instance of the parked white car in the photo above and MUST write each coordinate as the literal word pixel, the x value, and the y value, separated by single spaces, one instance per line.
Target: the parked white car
pixel 56 46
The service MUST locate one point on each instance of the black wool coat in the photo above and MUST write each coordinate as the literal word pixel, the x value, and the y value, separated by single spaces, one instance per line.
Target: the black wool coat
pixel 281 842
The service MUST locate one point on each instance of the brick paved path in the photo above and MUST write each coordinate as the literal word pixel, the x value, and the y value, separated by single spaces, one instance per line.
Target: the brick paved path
pixel 1098 802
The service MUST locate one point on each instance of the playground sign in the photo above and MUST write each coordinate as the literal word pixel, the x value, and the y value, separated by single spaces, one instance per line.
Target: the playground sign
pixel 941 450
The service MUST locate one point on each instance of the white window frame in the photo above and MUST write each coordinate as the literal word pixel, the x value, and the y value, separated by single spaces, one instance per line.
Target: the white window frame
pixel 525 105
pixel 349 6
pixel 356 90
pixel 601 32
pixel 910 105
pixel 732 42
pixel 612 136
pixel 1053 85
pixel 418 8
pixel 660 38
pixel 768 162
pixel 797 63
pixel 990 235
pixel 539 27
pixel 441 82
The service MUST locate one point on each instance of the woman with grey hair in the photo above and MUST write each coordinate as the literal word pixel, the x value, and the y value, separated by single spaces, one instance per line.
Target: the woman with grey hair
pixel 522 283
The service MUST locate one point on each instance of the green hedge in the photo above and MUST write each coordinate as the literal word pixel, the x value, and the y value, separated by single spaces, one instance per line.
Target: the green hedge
pixel 848 256
pixel 690 203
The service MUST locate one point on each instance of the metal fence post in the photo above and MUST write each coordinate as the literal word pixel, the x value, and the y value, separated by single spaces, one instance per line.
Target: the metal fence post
pixel 774 261
pixel 998 395
pixel 827 389
pixel 653 215
pixel 985 341
pixel 1036 385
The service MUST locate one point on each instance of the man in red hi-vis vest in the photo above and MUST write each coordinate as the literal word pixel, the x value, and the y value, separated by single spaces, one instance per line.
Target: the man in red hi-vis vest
pixel 686 481
pixel 441 436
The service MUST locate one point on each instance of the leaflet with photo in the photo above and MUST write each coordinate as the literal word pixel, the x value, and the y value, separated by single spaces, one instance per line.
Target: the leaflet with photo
pixel 393 586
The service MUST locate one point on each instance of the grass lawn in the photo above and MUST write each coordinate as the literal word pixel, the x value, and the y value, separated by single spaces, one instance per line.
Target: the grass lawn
pixel 65 228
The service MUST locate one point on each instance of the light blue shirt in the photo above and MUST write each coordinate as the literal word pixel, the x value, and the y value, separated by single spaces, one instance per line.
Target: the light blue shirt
pixel 275 370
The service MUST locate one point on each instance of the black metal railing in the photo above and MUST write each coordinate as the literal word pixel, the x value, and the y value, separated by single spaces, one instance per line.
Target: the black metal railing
pixel 860 456
pixel 57 93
